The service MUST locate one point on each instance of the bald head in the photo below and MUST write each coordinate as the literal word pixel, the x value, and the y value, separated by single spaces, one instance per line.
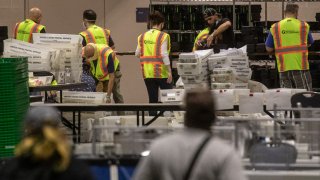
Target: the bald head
pixel 89 51
pixel 35 15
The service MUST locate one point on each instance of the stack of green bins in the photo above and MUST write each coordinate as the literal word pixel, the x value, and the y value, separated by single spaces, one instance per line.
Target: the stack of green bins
pixel 14 102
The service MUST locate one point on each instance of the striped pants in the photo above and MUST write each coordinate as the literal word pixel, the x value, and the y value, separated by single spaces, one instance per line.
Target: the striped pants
pixel 296 79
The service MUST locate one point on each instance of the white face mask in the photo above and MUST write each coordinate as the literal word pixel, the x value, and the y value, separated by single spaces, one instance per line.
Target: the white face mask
pixel 84 24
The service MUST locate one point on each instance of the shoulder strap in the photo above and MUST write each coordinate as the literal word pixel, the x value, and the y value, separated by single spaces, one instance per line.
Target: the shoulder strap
pixel 195 156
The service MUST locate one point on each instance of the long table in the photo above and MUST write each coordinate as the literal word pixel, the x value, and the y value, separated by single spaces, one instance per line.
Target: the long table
pixel 138 108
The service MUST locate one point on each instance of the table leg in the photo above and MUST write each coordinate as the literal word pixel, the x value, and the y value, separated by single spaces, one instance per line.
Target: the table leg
pixel 138 118
pixel 79 126
pixel 142 118
pixel 74 126
pixel 60 96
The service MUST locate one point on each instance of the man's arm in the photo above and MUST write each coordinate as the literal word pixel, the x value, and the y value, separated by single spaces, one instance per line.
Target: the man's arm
pixel 310 39
pixel 269 43
pixel 223 27
pixel 165 59
pixel 111 77
pixel 137 54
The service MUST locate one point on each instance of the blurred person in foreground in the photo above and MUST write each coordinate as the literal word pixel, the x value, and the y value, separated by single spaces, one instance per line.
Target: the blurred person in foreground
pixel 171 155
pixel 44 153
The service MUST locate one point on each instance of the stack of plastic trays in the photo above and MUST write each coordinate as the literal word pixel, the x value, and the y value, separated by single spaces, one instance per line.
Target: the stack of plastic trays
pixel 14 102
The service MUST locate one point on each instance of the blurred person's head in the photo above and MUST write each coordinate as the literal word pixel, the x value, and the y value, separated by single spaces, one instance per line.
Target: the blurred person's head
pixel 200 109
pixel 44 142
pixel 210 15
pixel 89 17
pixel 156 20
pixel 35 15
pixel 292 10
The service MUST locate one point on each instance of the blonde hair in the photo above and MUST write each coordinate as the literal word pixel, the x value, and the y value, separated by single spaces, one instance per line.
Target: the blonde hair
pixel 50 144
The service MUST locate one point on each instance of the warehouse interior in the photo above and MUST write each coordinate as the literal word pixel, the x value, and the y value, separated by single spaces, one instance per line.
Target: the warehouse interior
pixel 273 129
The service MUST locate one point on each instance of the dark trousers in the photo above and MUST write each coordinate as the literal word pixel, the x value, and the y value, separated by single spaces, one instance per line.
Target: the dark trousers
pixel 153 85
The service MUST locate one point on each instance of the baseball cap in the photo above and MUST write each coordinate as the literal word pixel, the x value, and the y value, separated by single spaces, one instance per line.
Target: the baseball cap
pixel 209 12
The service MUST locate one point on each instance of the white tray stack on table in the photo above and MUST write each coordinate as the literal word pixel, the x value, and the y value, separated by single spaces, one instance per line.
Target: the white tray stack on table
pixel 68 67
pixel 40 58
pixel 193 68
pixel 229 70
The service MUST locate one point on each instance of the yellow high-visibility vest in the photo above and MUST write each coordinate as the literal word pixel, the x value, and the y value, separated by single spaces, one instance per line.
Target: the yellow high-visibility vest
pixel 151 62
pixel 201 36
pixel 101 70
pixel 97 35
pixel 290 40
pixel 23 30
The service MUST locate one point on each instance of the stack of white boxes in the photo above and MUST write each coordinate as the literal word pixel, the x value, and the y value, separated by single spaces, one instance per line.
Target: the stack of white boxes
pixel 68 67
pixel 40 58
pixel 229 70
pixel 193 68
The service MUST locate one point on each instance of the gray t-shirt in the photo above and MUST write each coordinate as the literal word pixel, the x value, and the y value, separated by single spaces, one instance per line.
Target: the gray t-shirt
pixel 170 156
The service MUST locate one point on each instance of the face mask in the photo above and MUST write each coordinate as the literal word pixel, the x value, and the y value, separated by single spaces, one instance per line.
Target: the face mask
pixel 84 25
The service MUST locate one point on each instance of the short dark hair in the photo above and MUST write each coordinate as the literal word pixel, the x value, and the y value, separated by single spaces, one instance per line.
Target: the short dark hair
pixel 90 15
pixel 156 18
pixel 292 8
pixel 200 109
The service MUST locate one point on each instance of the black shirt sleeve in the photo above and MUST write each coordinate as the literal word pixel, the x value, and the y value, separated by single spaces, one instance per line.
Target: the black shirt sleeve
pixel 111 43
pixel 111 68
pixel 84 42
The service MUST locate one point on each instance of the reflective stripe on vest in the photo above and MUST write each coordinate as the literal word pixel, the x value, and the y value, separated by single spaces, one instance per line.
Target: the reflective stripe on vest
pixel 103 63
pixel 89 37
pixel 34 29
pixel 16 30
pixel 152 65
pixel 295 50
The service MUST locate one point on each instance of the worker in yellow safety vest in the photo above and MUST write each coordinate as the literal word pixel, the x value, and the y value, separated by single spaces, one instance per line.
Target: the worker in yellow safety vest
pixel 23 30
pixel 98 35
pixel 103 63
pixel 93 33
pixel 153 50
pixel 289 39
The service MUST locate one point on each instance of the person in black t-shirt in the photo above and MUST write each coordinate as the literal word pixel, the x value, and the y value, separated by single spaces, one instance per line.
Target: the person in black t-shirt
pixel 221 32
